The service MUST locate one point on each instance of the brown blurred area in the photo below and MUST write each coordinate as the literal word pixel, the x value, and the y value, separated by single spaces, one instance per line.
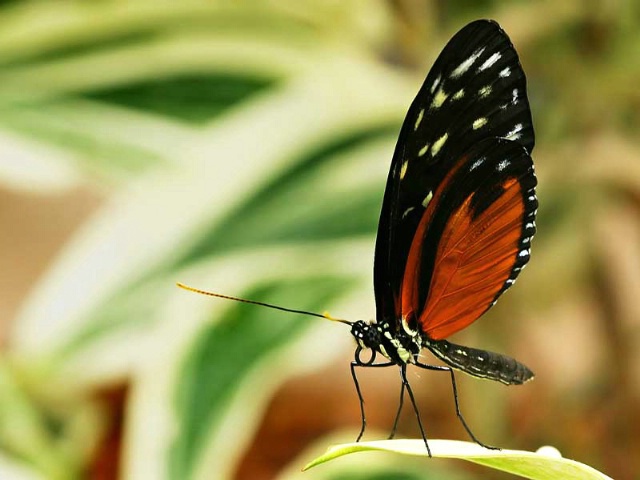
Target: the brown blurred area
pixel 36 227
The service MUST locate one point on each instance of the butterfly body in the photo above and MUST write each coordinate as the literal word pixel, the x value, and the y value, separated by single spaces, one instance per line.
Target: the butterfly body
pixel 401 348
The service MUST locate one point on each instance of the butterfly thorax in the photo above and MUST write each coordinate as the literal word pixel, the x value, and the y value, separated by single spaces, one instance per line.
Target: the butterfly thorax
pixel 397 345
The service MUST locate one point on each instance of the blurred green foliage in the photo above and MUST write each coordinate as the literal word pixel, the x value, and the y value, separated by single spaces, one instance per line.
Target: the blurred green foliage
pixel 243 147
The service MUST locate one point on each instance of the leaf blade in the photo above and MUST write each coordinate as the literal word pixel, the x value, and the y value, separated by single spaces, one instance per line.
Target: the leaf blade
pixel 533 465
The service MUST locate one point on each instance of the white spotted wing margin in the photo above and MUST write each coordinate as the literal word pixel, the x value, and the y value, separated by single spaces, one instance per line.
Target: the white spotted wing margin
pixel 475 90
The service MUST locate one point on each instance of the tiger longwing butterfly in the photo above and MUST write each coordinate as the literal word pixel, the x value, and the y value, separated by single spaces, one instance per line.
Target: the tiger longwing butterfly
pixel 457 217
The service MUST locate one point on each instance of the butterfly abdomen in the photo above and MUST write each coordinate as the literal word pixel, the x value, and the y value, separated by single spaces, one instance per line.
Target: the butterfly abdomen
pixel 480 363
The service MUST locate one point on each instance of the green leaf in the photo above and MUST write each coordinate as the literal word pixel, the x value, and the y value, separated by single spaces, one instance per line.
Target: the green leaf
pixel 152 229
pixel 62 68
pixel 346 203
pixel 12 469
pixel 34 166
pixel 376 467
pixel 24 432
pixel 546 464
pixel 225 352
pixel 209 377
pixel 194 98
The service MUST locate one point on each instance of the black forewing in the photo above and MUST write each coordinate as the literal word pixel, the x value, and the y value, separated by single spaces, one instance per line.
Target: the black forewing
pixel 476 89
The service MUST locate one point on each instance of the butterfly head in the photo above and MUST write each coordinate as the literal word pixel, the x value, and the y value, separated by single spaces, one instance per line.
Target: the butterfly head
pixel 366 334
pixel 397 346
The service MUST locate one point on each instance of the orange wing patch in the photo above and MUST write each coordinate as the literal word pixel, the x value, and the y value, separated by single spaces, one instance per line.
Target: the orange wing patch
pixel 474 259
pixel 409 296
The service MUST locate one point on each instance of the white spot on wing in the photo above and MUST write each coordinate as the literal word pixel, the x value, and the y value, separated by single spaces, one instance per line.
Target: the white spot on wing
pixel 459 94
pixel 515 133
pixel 484 91
pixel 514 96
pixel 439 99
pixel 427 199
pixel 435 85
pixel 465 65
pixel 437 145
pixel 423 150
pixel 502 165
pixel 419 119
pixel 407 211
pixel 490 61
pixel 480 122
pixel 403 169
pixel 476 164
pixel 504 73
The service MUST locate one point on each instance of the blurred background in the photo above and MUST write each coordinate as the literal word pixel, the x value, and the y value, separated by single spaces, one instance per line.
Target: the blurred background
pixel 243 147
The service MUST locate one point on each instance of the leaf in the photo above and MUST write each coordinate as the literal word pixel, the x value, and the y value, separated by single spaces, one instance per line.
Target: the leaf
pixel 137 242
pixel 10 469
pixel 376 467
pixel 205 384
pixel 25 434
pixel 35 167
pixel 110 89
pixel 546 464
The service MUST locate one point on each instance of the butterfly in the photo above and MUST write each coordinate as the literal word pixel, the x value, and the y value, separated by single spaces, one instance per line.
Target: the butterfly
pixel 458 214
pixel 457 218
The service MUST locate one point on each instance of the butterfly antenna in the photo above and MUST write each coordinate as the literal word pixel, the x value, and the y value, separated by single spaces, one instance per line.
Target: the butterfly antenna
pixel 262 304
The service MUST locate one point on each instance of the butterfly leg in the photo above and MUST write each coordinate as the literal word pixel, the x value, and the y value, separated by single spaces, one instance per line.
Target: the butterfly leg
pixel 455 400
pixel 405 382
pixel 363 418
pixel 400 403
pixel 359 363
